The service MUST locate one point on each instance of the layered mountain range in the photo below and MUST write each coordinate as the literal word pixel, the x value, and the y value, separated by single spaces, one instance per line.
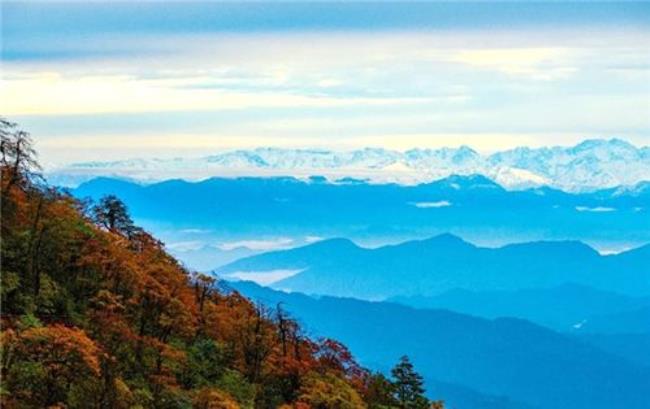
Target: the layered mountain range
pixel 501 322
pixel 293 212
pixel 577 330
pixel 569 310
pixel 338 267
pixel 502 363
pixel 592 164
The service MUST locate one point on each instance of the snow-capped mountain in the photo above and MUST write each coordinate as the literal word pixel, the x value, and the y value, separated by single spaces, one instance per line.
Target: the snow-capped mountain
pixel 592 164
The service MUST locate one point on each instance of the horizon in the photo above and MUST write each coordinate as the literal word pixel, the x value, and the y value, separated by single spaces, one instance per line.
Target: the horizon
pixel 612 163
pixel 341 150
pixel 609 140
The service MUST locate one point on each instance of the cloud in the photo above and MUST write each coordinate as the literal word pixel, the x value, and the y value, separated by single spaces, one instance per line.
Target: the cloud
pixel 258 245
pixel 54 94
pixel 185 246
pixel 262 277
pixel 429 205
pixel 162 94
pixel 195 231
pixel 597 209
pixel 534 63
pixel 579 325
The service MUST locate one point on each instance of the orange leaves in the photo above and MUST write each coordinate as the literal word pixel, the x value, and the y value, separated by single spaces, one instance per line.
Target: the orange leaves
pixel 108 322
pixel 334 356
pixel 66 351
pixel 8 340
pixel 151 332
pixel 153 290
pixel 48 363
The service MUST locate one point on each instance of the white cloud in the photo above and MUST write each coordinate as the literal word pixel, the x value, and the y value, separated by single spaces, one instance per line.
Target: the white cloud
pixel 612 252
pixel 534 63
pixel 394 89
pixel 597 209
pixel 262 277
pixel 185 246
pixel 579 325
pixel 195 231
pixel 429 205
pixel 54 94
pixel 258 245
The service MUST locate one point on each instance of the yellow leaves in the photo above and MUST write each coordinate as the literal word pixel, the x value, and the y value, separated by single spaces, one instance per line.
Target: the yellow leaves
pixel 108 302
pixel 122 390
pixel 212 398
pixel 329 391
pixel 170 353
pixel 8 339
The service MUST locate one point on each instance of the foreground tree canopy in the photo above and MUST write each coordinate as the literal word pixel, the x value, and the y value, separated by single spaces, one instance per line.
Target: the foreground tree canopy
pixel 96 314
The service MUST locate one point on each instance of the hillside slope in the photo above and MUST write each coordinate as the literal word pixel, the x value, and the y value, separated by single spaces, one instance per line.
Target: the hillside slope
pixel 96 314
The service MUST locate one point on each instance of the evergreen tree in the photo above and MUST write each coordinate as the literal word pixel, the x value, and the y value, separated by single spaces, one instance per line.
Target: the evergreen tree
pixel 408 386
pixel 111 213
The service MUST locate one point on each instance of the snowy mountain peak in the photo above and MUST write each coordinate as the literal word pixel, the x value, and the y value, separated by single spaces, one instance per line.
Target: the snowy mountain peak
pixel 589 165
pixel 613 143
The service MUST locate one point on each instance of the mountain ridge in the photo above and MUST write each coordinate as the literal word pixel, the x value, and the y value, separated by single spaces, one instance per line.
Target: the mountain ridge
pixel 567 308
pixel 250 208
pixel 591 165
pixel 435 336
pixel 446 262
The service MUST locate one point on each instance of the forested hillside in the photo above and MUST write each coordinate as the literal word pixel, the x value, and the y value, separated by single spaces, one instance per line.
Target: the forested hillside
pixel 96 314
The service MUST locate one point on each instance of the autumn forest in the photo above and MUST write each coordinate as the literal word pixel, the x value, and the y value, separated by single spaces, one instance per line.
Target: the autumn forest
pixel 96 314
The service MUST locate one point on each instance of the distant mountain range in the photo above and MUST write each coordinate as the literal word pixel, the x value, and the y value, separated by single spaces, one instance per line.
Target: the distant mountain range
pixel 615 323
pixel 590 165
pixel 473 207
pixel 473 357
pixel 568 308
pixel 338 267
pixel 470 361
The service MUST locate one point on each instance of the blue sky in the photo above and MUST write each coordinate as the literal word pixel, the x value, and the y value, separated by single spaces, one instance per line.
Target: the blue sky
pixel 119 80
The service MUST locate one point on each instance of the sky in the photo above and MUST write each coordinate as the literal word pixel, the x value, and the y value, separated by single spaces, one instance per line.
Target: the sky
pixel 108 81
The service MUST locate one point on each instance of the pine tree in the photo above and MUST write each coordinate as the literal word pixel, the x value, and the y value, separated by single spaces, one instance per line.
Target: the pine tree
pixel 408 384
pixel 111 213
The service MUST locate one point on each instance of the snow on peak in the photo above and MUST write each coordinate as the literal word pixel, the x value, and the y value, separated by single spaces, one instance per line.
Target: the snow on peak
pixel 589 165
